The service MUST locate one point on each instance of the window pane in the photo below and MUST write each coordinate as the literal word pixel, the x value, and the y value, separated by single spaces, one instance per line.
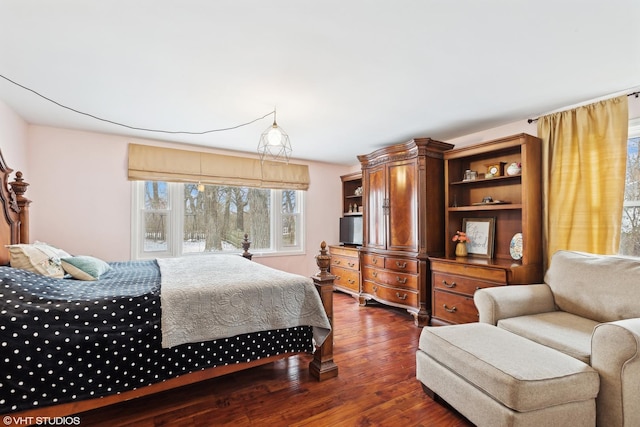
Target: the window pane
pixel 156 195
pixel 630 235
pixel 217 218
pixel 155 232
pixel 289 204
pixel 259 217
pixel 289 230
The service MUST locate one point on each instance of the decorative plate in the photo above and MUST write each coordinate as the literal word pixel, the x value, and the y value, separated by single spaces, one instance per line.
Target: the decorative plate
pixel 516 246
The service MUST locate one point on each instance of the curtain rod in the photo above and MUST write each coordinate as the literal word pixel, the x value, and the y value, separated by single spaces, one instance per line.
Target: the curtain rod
pixel 636 94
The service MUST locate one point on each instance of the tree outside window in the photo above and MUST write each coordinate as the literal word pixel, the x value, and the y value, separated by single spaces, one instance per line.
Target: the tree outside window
pixel 216 219
pixel 156 217
pixel 630 233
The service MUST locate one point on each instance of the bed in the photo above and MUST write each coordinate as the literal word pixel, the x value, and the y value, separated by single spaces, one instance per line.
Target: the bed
pixel 70 345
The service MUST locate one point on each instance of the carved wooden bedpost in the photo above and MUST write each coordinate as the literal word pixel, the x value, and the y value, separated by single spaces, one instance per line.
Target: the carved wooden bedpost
pixel 322 366
pixel 246 244
pixel 19 187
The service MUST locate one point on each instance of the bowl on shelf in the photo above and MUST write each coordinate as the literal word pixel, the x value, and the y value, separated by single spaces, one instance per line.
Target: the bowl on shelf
pixel 514 169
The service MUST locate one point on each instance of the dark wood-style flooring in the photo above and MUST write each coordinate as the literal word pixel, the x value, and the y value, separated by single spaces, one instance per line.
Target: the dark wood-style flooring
pixel 374 348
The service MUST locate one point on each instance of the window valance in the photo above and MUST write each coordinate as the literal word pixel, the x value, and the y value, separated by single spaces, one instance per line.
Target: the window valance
pixel 149 163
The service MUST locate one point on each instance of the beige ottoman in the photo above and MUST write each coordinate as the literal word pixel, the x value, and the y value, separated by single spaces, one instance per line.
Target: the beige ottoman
pixel 496 378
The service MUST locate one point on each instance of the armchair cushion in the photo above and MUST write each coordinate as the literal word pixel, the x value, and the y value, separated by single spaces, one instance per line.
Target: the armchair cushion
pixel 599 287
pixel 563 331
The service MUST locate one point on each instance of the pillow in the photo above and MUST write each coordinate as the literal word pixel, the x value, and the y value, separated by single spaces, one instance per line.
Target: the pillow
pixel 60 252
pixel 41 259
pixel 84 267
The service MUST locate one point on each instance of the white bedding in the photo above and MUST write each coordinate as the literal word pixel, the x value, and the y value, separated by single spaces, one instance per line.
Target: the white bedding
pixel 210 297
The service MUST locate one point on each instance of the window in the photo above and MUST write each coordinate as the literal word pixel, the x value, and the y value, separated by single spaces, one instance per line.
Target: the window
pixel 630 235
pixel 172 219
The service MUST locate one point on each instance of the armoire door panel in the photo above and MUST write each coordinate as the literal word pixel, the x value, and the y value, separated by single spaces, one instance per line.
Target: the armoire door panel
pixel 376 196
pixel 403 215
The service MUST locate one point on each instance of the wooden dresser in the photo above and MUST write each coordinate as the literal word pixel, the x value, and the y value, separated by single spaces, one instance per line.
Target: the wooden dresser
pixel 403 202
pixel 345 265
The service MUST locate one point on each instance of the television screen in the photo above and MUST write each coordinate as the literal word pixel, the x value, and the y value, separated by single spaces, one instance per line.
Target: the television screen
pixel 351 230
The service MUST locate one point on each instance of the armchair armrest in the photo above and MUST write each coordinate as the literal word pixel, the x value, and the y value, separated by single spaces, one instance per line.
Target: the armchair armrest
pixel 614 354
pixel 503 302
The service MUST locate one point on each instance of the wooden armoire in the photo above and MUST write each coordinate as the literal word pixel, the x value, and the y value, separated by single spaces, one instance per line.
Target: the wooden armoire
pixel 403 210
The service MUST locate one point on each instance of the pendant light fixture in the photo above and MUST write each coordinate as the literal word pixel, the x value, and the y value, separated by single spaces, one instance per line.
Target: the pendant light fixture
pixel 274 143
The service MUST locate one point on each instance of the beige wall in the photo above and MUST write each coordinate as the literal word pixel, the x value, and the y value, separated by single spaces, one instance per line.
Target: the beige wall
pixel 13 139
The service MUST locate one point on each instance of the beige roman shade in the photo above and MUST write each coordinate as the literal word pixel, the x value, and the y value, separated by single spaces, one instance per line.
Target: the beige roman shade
pixel 149 163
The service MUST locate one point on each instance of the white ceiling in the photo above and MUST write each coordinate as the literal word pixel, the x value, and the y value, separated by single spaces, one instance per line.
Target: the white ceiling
pixel 346 76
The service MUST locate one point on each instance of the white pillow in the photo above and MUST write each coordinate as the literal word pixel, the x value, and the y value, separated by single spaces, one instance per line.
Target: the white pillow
pixel 41 259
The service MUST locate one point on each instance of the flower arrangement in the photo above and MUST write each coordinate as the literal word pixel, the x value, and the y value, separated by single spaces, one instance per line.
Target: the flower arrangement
pixel 461 237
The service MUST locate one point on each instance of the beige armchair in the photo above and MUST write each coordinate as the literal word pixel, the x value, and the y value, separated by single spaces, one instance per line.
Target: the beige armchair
pixel 588 308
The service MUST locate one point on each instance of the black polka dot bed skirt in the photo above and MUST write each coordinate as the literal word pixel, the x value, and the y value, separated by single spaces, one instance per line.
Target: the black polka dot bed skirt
pixel 65 340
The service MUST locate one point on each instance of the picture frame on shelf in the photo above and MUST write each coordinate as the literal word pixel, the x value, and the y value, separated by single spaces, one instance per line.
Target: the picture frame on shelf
pixel 481 233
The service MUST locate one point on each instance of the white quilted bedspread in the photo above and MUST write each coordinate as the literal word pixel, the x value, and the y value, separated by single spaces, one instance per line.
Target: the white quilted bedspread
pixel 218 296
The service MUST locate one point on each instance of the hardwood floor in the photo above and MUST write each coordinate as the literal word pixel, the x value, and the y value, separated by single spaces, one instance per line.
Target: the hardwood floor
pixel 374 348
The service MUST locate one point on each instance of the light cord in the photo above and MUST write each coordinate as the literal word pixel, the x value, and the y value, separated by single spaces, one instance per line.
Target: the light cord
pixel 135 127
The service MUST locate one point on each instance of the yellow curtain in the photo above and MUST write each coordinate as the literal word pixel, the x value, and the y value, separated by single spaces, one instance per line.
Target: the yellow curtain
pixel 147 162
pixel 584 161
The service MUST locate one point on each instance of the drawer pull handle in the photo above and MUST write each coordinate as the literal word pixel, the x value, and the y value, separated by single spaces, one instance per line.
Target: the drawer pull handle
pixel 403 265
pixel 336 262
pixel 452 285
pixel 351 281
pixel 338 278
pixel 374 260
pixel 351 264
pixel 402 280
pixel 401 297
pixel 374 273
pixel 375 289
pixel 450 310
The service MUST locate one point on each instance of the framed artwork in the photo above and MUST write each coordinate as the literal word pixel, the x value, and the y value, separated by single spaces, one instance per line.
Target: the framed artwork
pixel 481 232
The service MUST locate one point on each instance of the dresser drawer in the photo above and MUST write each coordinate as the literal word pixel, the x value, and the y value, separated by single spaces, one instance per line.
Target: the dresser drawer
pixel 389 294
pixel 372 274
pixel 373 260
pixel 401 264
pixel 459 284
pixel 496 275
pixel 454 308
pixel 398 280
pixel 345 262
pixel 346 278
pixel 343 251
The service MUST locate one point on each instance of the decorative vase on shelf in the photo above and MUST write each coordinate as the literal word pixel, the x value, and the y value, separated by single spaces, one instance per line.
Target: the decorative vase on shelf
pixel 461 249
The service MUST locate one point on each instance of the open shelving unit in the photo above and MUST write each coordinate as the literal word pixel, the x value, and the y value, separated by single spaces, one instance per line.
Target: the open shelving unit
pixel 519 211
pixel 350 183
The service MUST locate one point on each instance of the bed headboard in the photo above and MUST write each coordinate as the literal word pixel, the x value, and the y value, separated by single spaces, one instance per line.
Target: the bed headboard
pixel 14 225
